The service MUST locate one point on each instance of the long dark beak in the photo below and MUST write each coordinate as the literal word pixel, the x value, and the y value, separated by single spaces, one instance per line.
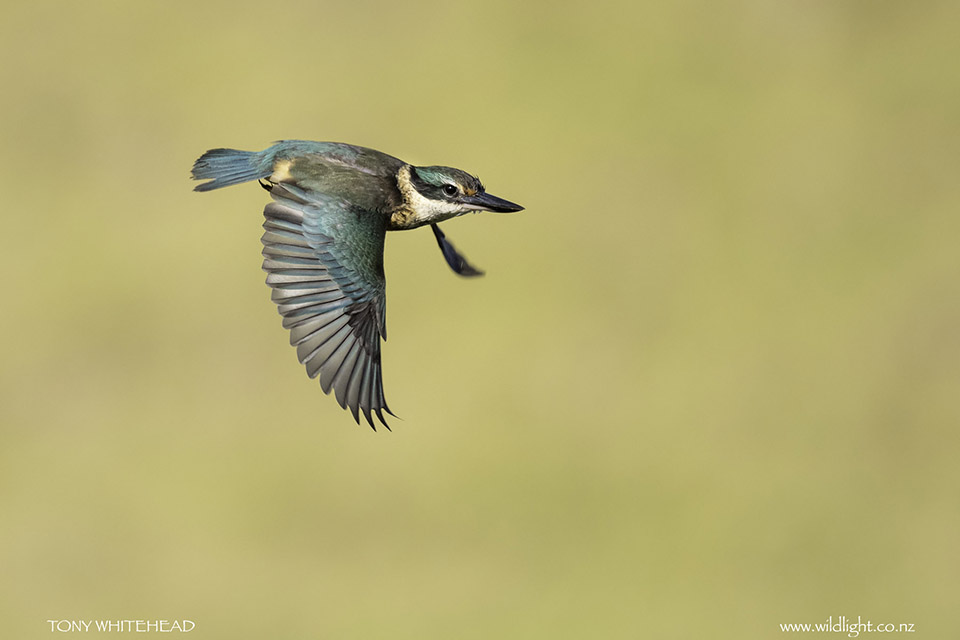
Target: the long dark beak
pixel 487 202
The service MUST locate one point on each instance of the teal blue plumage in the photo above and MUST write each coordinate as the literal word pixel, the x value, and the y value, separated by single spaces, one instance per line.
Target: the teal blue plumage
pixel 323 245
pixel 331 294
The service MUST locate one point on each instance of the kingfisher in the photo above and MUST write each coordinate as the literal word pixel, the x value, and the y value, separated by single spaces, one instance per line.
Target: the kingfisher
pixel 333 204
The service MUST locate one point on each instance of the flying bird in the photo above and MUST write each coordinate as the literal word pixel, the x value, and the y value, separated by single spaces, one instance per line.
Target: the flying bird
pixel 323 237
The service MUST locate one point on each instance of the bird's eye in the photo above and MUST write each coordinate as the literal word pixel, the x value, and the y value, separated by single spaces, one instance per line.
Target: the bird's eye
pixel 450 190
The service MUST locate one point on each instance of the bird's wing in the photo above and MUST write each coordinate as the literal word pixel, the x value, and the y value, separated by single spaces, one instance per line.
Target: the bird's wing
pixel 324 260
pixel 453 257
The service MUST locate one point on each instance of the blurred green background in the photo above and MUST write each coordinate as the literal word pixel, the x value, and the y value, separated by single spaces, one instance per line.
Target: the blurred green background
pixel 709 384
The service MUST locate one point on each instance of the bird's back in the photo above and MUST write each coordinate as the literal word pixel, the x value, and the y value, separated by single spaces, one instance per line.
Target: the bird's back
pixel 368 161
pixel 365 177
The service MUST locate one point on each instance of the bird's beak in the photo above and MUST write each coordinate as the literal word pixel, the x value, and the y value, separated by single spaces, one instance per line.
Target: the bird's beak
pixel 487 202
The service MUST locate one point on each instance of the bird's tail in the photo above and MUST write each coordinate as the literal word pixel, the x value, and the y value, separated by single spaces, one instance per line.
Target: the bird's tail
pixel 225 167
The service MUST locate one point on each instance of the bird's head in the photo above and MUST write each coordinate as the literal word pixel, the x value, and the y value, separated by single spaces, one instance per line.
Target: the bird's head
pixel 434 194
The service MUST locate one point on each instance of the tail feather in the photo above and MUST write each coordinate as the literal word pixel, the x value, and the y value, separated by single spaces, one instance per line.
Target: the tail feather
pixel 225 167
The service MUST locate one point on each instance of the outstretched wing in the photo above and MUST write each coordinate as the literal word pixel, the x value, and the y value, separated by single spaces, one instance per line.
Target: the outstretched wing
pixel 324 260
pixel 453 257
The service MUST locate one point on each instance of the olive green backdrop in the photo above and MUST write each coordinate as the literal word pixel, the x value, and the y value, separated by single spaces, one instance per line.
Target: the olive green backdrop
pixel 709 384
